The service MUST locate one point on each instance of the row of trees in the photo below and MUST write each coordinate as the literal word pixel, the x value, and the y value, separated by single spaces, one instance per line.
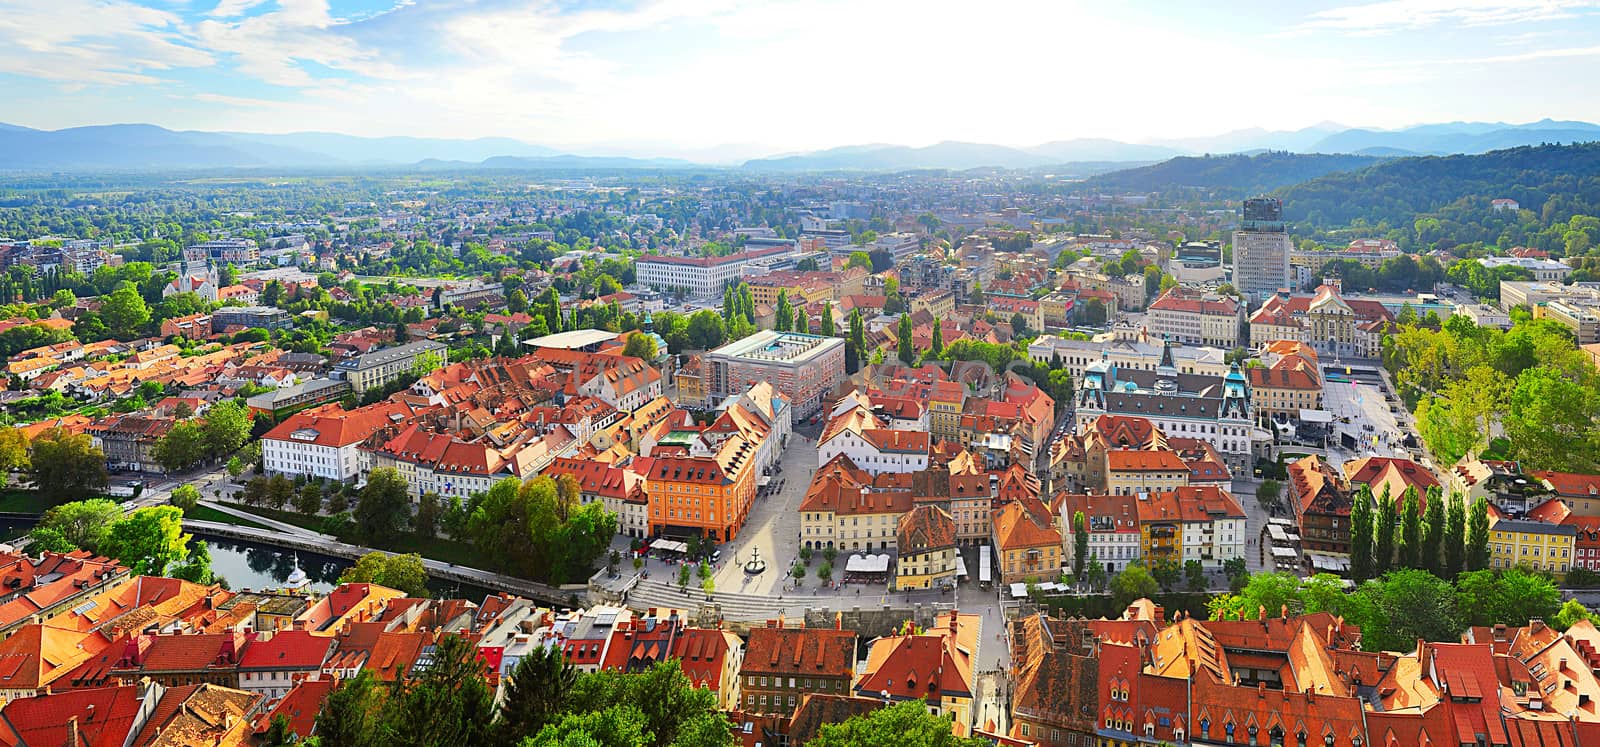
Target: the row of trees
pixel 1391 533
pixel 548 703
pixel 1402 606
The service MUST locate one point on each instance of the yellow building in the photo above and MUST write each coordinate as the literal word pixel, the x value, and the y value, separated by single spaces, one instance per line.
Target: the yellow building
pixel 843 510
pixel 926 541
pixel 944 409
pixel 1160 529
pixel 1538 545
pixel 1055 309
pixel 1132 471
pixel 1027 546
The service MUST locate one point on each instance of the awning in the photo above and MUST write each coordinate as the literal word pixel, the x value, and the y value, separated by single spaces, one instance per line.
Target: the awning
pixel 867 564
pixel 666 545
pixel 1330 563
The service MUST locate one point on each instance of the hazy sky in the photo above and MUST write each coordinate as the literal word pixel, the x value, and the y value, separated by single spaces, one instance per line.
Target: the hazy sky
pixel 630 76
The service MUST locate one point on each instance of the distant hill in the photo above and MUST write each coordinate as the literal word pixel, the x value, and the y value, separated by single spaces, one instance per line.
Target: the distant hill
pixel 1235 175
pixel 398 150
pixel 946 155
pixel 1400 190
pixel 1100 149
pixel 583 162
pixel 137 146
pixel 145 147
pixel 1459 137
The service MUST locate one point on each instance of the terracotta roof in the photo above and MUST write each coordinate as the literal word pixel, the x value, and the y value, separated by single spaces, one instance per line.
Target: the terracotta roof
pixel 701 653
pixel 1129 460
pixel 825 652
pixel 905 442
pixel 1189 300
pixel 1290 372
pixel 1318 488
pixel 1392 473
pixel 300 706
pixel 332 425
pixel 925 528
pixel 287 649
pixel 1571 484
pixel 938 662
pixel 1017 527
pixel 36 655
pixel 102 717
pixel 817 709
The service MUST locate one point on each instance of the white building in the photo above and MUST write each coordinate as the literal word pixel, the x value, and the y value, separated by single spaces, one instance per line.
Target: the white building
pixel 1544 270
pixel 1077 355
pixel 872 447
pixel 700 277
pixel 1193 317
pixel 322 442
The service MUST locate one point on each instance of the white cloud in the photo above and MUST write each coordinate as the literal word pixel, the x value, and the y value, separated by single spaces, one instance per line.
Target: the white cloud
pixel 1399 15
pixel 78 42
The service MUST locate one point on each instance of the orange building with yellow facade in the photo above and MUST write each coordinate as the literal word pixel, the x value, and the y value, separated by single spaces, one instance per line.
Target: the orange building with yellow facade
pixel 708 495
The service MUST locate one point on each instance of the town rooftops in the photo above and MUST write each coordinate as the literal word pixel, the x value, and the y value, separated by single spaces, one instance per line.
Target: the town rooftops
pixel 814 652
pixel 333 426
pixel 1140 460
pixel 390 355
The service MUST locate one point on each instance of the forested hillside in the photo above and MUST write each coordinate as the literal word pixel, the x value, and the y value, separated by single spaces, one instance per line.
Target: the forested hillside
pixel 1445 201
pixel 1230 175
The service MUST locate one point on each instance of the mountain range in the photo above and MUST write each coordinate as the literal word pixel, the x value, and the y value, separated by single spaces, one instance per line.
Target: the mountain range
pixel 148 147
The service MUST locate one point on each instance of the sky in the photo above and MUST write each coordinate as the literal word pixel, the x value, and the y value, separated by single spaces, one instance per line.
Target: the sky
pixel 690 77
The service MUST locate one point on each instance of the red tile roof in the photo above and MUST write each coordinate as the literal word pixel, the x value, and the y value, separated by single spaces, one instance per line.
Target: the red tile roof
pixel 332 425
pixel 287 649
pixel 102 716
pixel 300 706
pixel 814 652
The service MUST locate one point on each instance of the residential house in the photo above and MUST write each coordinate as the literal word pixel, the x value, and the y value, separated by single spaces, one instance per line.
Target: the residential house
pixel 1321 499
pixel 926 541
pixel 273 662
pixel 1027 543
pixel 938 665
pixel 1113 525
pixel 783 664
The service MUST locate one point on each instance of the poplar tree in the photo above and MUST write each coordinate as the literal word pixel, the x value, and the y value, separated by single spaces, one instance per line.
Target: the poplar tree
pixel 1411 531
pixel 1383 559
pixel 1478 536
pixel 1361 536
pixel 1433 530
pixel 1455 536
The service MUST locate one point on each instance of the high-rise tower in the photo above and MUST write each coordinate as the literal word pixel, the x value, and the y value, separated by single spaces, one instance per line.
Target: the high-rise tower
pixel 1261 250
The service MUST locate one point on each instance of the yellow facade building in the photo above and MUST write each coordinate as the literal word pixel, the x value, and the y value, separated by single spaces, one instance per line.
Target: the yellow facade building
pixel 1537 545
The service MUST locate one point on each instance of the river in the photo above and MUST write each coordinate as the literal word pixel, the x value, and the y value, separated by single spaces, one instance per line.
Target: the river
pixel 249 565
